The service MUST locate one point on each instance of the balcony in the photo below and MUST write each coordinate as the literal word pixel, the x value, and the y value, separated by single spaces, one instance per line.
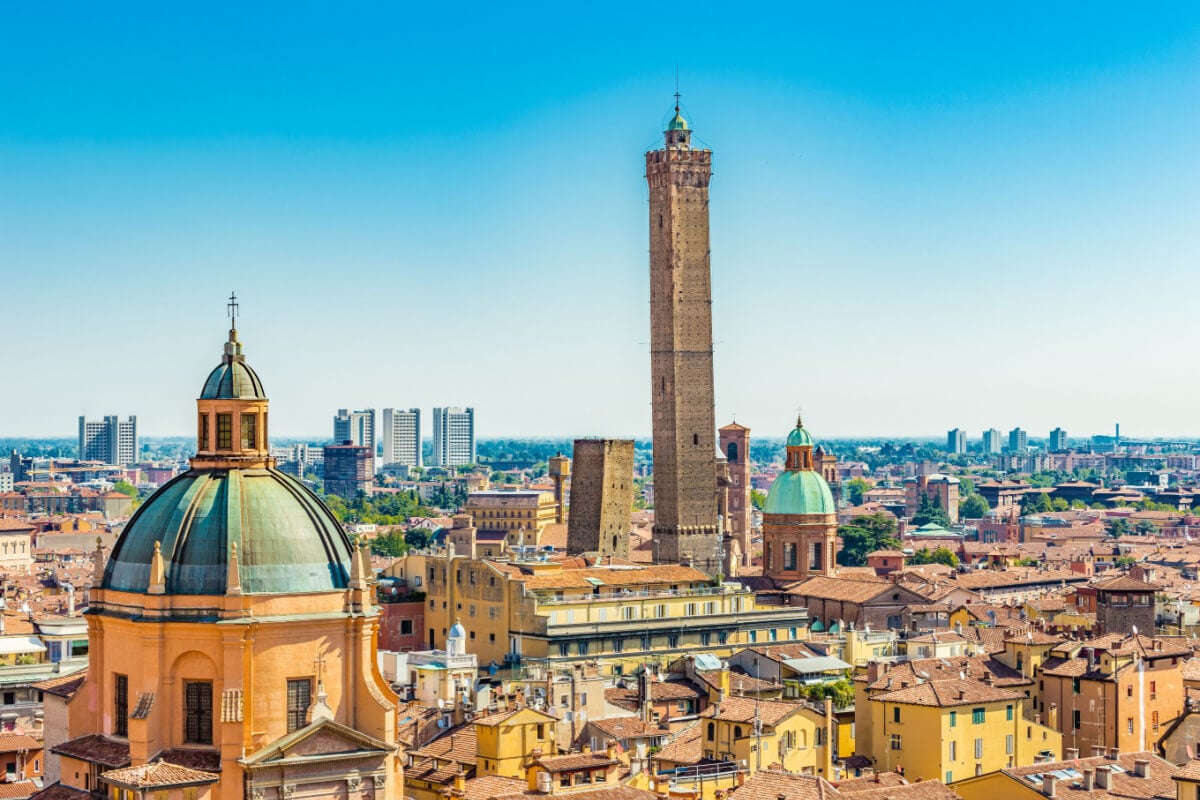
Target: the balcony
pixel 625 595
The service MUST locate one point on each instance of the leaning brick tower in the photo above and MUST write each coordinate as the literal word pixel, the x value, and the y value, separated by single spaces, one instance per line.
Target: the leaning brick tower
pixel 681 353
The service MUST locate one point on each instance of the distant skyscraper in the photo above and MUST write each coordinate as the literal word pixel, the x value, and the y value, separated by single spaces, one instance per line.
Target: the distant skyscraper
pixel 991 441
pixel 109 440
pixel 1018 441
pixel 956 441
pixel 355 427
pixel 453 436
pixel 1058 440
pixel 402 437
pixel 348 470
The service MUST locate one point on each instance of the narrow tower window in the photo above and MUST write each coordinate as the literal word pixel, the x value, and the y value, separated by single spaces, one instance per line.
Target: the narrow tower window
pixel 299 698
pixel 121 704
pixel 224 431
pixel 248 421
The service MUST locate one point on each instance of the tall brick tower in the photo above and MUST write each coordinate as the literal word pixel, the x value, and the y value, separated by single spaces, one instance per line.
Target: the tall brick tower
pixel 735 444
pixel 681 354
pixel 601 497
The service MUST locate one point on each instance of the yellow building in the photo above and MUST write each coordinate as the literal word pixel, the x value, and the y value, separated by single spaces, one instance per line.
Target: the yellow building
pixel 505 740
pixel 951 729
pixel 232 634
pixel 520 515
pixel 767 734
pixel 559 610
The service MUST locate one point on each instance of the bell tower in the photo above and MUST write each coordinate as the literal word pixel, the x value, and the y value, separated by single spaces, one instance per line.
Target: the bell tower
pixel 686 527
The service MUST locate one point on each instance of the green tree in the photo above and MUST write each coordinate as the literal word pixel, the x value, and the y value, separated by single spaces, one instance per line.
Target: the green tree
pixel 929 509
pixel 966 486
pixel 1118 527
pixel 391 544
pixel 1059 504
pixel 1036 503
pixel 125 488
pixel 418 537
pixel 1145 527
pixel 941 555
pixel 1124 562
pixel 974 507
pixel 758 499
pixel 857 487
pixel 841 692
pixel 864 534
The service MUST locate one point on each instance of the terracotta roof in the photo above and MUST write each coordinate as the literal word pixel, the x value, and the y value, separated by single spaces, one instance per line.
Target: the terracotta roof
pixel 205 760
pixel 18 790
pixel 924 790
pixel 12 742
pixel 95 749
pixel 783 786
pixel 157 774
pixel 1125 784
pixel 871 782
pixel 627 728
pixel 685 748
pixel 63 685
pixel 492 787
pixel 575 762
pixel 1124 583
pixel 636 576
pixel 979 668
pixel 497 718
pixel 1189 771
pixel 852 591
pixel 458 745
pixel 745 709
pixel 948 693
pixel 56 791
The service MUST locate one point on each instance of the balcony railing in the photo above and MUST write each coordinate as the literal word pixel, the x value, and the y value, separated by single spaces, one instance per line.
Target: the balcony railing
pixel 624 595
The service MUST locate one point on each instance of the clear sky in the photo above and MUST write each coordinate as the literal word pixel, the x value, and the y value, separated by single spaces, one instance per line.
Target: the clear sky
pixel 924 215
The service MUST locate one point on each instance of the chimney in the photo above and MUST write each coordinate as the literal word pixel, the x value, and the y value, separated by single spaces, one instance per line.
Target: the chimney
pixel 1070 754
pixel 962 694
pixel 1097 750
pixel 1049 783
pixel 1141 767
pixel 1104 777
pixel 1113 752
pixel 1089 780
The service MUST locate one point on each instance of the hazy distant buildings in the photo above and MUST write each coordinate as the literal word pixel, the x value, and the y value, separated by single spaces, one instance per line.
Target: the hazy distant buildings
pixel 453 436
pixel 1058 440
pixel 349 469
pixel 991 441
pixel 956 442
pixel 355 427
pixel 1018 441
pixel 109 440
pixel 402 437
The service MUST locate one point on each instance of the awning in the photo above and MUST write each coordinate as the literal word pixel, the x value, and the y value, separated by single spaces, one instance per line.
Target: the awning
pixel 20 644
pixel 808 666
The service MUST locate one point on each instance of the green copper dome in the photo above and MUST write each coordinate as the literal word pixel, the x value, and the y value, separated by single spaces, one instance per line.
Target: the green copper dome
pixel 799 437
pixel 799 492
pixel 232 381
pixel 679 123
pixel 287 540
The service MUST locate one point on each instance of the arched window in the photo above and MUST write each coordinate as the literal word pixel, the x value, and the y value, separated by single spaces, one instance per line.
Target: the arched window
pixel 737 731
pixel 731 452
pixel 712 731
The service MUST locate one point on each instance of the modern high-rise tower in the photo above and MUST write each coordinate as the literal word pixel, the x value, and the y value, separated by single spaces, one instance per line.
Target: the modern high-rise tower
pixel 681 353
pixel 110 440
pixel 402 436
pixel 453 436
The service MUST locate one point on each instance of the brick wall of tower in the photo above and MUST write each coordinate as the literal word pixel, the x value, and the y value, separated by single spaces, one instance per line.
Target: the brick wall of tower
pixel 601 497
pixel 685 499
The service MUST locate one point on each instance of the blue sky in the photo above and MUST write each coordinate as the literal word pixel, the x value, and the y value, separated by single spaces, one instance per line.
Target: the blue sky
pixel 925 215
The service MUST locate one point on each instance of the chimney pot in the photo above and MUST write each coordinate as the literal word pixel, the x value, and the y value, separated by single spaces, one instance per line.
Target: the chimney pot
pixel 1049 784
pixel 1141 767
pixel 1072 753
pixel 1089 780
pixel 1104 777
pixel 1113 752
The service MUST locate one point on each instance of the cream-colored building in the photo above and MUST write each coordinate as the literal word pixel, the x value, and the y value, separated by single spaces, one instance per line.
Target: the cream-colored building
pixel 617 611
